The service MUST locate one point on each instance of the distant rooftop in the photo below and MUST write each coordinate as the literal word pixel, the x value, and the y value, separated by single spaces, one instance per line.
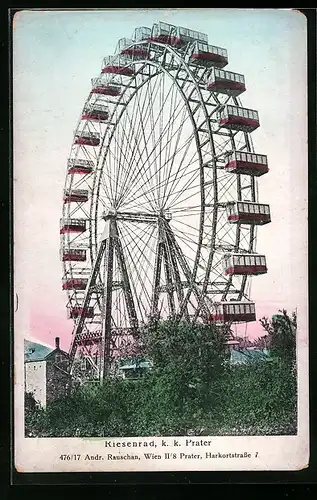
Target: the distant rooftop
pixel 35 352
pixel 134 366
pixel 247 355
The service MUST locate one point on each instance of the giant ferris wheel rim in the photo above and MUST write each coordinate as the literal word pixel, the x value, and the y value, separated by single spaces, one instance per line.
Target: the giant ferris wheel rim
pixel 197 81
pixel 172 50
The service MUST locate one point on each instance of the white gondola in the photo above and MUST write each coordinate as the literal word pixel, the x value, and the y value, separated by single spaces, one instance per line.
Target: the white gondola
pixel 74 254
pixel 87 138
pixel 79 166
pixel 117 64
pixel 76 195
pixel 209 55
pixel 248 212
pixel 74 283
pixel 226 82
pixel 166 33
pixel 244 264
pixel 247 163
pixel 233 312
pixel 238 118
pixel 72 226
pixel 126 47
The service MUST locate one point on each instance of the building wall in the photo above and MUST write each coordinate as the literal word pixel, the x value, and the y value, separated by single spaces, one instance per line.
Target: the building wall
pixel 35 380
pixel 57 381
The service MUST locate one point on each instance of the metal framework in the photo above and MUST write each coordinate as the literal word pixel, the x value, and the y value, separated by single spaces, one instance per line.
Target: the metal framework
pixel 149 159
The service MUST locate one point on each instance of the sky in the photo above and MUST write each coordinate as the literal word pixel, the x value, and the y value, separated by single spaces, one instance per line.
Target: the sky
pixel 55 55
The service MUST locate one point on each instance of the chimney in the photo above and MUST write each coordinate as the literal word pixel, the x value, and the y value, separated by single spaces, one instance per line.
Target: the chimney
pixel 57 343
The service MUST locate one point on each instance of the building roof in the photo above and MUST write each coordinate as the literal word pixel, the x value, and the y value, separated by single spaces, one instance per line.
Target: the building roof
pixel 35 352
pixel 134 366
pixel 249 355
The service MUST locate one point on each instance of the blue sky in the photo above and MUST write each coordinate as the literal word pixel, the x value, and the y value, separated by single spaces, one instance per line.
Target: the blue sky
pixel 56 53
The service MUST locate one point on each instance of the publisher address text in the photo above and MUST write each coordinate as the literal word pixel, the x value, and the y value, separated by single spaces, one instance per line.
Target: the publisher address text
pixel 169 449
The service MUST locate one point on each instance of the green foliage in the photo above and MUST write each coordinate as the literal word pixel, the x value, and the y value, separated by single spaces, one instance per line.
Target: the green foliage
pixel 185 360
pixel 281 330
pixel 257 398
pixel 29 401
pixel 190 389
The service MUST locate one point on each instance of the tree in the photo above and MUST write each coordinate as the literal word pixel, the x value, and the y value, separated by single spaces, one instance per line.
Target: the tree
pixel 281 334
pixel 186 358
pixel 29 401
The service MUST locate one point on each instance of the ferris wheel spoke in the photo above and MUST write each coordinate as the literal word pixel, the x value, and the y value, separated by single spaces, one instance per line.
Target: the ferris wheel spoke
pixel 166 128
pixel 160 128
pixel 109 178
pixel 107 187
pixel 153 137
pixel 171 208
pixel 167 155
pixel 191 209
pixel 187 226
pixel 120 195
pixel 151 92
pixel 119 148
pixel 157 144
pixel 135 230
pixel 190 195
pixel 148 165
pixel 144 137
pixel 183 174
pixel 129 171
pixel 187 145
pixel 176 200
pixel 135 130
pixel 117 151
pixel 142 172
pixel 153 177
pixel 132 128
pixel 172 119
pixel 123 123
pixel 191 161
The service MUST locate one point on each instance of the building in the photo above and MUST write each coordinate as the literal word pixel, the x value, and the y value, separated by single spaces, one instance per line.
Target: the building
pixel 133 368
pixel 247 355
pixel 46 372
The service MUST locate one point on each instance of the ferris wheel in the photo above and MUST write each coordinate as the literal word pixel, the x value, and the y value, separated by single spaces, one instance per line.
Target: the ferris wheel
pixel 160 204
